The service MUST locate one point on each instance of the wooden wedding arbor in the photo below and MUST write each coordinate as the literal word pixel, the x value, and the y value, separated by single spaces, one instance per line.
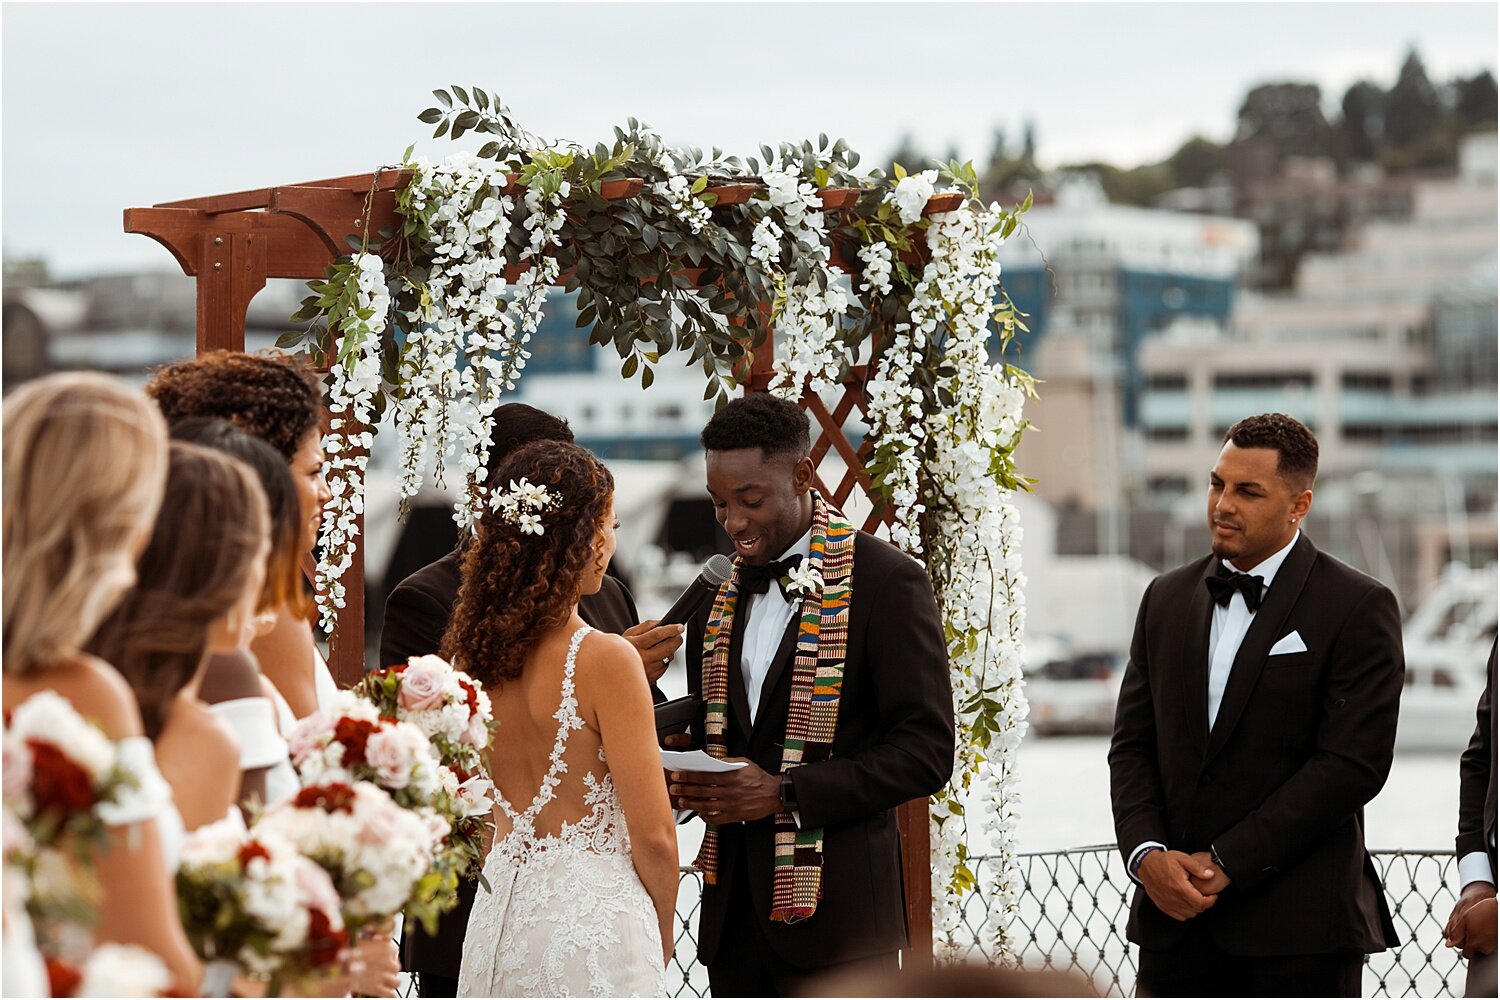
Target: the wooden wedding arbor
pixel 231 244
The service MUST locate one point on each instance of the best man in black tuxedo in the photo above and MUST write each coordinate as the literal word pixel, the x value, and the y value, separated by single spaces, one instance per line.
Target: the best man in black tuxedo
pixel 893 742
pixel 1255 720
pixel 416 616
pixel 1471 926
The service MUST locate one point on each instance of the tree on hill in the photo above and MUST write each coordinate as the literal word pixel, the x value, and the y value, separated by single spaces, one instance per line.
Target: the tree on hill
pixel 1475 102
pixel 1411 107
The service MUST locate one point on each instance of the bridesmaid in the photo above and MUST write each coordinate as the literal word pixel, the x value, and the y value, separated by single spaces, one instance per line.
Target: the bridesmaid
pixel 232 684
pixel 197 583
pixel 85 462
pixel 275 398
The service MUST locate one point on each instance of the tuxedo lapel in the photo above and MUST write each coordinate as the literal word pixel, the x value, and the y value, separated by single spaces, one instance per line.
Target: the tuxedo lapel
pixel 739 702
pixel 1195 658
pixel 784 655
pixel 1265 628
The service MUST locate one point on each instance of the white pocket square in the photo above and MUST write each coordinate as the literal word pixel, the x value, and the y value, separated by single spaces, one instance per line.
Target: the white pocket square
pixel 1289 643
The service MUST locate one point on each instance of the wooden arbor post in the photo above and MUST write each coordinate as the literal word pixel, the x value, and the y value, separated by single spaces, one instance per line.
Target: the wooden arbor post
pixel 232 243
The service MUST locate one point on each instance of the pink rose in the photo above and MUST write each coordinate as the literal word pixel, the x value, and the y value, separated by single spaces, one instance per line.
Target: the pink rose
pixel 422 688
pixel 311 735
pixel 390 758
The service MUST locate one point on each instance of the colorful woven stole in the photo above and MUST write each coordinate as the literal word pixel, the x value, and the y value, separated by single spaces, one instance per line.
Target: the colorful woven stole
pixel 813 715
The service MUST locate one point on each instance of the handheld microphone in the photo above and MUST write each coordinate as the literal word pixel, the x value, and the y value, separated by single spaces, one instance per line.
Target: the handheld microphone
pixel 715 571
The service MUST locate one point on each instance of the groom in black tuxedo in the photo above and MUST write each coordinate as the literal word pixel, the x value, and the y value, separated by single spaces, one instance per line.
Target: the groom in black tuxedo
pixel 1256 718
pixel 893 740
pixel 416 616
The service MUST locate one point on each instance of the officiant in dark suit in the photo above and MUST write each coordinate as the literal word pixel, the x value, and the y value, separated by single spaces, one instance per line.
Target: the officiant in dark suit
pixel 1256 718
pixel 823 666
pixel 416 616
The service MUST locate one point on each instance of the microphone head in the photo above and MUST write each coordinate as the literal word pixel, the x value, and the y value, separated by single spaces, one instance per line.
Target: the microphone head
pixel 717 569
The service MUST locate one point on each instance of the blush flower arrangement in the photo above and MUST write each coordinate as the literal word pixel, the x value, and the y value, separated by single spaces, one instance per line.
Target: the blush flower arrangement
pixel 453 711
pixel 376 853
pixel 254 900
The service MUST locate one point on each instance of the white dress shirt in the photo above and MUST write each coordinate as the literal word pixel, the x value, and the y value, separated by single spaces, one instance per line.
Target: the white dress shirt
pixel 1226 633
pixel 1474 867
pixel 770 614
pixel 1230 623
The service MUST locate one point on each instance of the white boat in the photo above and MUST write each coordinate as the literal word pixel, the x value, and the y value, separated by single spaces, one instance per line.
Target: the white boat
pixel 1447 642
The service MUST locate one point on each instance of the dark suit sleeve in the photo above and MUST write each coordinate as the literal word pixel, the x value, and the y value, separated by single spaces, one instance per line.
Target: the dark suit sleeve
pixel 414 625
pixel 1355 741
pixel 1134 780
pixel 1474 772
pixel 907 661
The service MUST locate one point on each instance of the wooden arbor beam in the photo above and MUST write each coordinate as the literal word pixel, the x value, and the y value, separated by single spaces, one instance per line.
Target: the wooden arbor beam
pixel 232 243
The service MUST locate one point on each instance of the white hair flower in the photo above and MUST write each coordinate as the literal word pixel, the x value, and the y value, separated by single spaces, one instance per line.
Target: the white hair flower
pixel 522 504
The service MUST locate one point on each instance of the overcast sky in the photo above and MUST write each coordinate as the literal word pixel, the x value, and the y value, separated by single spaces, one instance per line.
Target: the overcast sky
pixel 117 105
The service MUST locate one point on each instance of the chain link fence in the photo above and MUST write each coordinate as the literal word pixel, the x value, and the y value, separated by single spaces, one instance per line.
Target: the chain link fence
pixel 1074 904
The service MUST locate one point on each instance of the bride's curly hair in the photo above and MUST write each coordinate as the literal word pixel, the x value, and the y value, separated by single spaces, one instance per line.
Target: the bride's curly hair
pixel 516 585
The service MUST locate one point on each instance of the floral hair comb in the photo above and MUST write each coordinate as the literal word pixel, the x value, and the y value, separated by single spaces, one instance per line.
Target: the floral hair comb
pixel 523 504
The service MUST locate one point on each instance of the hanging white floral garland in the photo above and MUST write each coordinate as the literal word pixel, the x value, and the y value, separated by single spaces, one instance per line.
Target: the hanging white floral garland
pixel 807 310
pixel 950 509
pixel 353 383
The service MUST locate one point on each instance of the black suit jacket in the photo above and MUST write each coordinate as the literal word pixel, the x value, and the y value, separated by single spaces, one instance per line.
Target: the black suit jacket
pixel 894 743
pixel 1302 741
pixel 1476 778
pixel 416 616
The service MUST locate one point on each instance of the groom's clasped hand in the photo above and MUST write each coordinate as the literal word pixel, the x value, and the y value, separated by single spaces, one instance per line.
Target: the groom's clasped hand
pixel 739 796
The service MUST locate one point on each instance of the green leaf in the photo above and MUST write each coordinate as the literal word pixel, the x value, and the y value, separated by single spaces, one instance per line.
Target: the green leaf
pixel 648 376
pixel 461 93
pixel 482 99
pixel 442 130
pixel 430 116
pixel 898 170
pixel 627 370
pixel 699 185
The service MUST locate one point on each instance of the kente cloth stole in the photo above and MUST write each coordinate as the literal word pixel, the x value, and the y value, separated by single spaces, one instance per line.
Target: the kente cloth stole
pixel 817 682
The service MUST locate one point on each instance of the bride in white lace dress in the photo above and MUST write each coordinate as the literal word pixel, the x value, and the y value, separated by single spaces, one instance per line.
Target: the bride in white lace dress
pixel 583 872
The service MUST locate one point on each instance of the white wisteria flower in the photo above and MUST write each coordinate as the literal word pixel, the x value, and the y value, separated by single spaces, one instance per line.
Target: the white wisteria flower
pixel 911 195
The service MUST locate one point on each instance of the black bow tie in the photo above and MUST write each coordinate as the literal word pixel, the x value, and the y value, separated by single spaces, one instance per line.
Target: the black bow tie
pixel 1223 584
pixel 757 579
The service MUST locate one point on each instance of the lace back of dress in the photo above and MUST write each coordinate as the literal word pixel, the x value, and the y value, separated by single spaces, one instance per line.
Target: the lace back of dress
pixel 598 830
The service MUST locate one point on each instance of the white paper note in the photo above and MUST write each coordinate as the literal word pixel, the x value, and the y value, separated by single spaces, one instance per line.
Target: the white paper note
pixel 697 760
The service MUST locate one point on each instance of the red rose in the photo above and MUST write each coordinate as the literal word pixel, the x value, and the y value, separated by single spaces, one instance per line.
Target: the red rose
pixel 324 943
pixel 63 978
pixel 250 851
pixel 58 784
pixel 470 695
pixel 335 797
pixel 354 734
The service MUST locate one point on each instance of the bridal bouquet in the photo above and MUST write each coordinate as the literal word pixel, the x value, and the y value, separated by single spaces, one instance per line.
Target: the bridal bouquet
pixel 353 741
pixel 377 853
pixel 252 899
pixel 60 773
pixel 59 769
pixel 454 712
